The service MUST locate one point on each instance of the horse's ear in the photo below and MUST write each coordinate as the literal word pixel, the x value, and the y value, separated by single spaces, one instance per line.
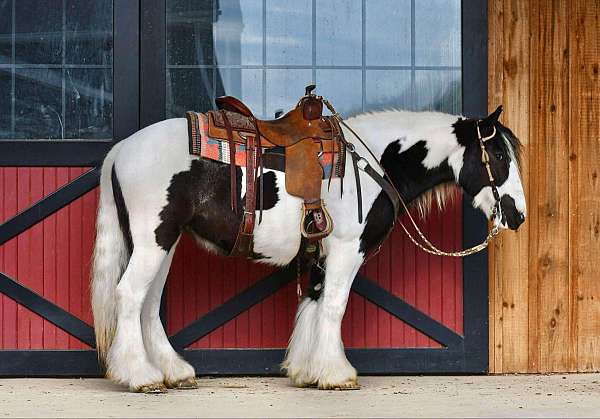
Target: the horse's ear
pixel 492 118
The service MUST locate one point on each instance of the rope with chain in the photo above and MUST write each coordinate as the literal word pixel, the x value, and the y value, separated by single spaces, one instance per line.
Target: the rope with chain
pixel 429 247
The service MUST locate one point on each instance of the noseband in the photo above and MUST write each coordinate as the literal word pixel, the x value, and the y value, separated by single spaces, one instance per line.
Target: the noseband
pixel 485 160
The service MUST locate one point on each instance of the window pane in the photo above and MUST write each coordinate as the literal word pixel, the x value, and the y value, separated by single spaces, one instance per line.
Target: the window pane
pixel 339 38
pixel 60 85
pixel 284 88
pixel 245 84
pixel 238 32
pixel 38 103
pixel 38 40
pixel 89 103
pixel 5 104
pixel 189 89
pixel 343 88
pixel 437 33
pixel 289 32
pixel 5 31
pixel 88 32
pixel 388 89
pixel 189 32
pixel 439 90
pixel 331 52
pixel 388 32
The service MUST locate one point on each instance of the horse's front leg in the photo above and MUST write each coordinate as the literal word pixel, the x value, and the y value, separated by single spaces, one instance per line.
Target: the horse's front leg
pixel 316 353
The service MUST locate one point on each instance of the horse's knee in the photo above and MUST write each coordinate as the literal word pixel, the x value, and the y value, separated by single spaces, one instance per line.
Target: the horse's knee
pixel 129 298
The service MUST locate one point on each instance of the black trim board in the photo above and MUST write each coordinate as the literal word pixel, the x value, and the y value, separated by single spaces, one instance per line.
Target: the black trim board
pixel 48 310
pixel 153 61
pixel 49 205
pixel 65 153
pixel 475 267
pixel 126 68
pixel 399 308
pixel 77 363
pixel 234 306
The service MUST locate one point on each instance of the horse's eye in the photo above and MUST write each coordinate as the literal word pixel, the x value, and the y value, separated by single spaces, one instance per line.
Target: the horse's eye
pixel 500 156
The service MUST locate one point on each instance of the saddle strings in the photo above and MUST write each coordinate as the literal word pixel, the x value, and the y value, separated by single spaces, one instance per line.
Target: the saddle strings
pixel 429 247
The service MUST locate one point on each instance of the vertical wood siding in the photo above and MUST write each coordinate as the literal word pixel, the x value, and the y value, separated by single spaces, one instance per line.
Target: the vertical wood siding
pixel 53 259
pixel 544 289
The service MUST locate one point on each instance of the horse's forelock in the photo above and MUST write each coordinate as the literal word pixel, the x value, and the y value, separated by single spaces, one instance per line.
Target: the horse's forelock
pixel 513 145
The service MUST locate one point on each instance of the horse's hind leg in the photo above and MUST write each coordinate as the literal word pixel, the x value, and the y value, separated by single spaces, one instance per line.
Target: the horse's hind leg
pixel 128 362
pixel 177 373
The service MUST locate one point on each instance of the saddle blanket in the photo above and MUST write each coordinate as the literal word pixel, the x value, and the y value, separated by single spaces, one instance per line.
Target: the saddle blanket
pixel 202 145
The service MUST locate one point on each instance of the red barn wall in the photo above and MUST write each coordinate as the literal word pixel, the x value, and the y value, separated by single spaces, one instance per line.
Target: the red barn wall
pixel 53 259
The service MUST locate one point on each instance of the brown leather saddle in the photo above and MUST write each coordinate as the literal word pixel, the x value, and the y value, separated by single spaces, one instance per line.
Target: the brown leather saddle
pixel 304 133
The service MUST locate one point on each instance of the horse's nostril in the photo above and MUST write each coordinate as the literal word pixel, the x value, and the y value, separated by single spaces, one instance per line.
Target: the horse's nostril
pixel 521 217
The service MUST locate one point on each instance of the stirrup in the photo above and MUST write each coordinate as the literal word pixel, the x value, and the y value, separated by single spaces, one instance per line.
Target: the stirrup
pixel 318 234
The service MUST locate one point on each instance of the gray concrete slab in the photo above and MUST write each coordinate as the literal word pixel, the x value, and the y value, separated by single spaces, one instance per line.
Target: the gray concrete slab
pixel 576 395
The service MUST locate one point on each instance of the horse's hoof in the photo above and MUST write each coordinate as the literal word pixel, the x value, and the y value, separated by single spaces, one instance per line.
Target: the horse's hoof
pixel 306 385
pixel 154 388
pixel 348 385
pixel 185 384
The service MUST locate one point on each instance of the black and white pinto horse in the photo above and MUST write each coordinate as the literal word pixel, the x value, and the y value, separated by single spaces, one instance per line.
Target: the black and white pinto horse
pixel 153 190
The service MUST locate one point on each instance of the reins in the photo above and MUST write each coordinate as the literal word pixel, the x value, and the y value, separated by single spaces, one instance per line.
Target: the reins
pixel 395 196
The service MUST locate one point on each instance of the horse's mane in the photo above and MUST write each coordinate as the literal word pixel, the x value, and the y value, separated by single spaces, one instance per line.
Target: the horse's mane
pixel 442 195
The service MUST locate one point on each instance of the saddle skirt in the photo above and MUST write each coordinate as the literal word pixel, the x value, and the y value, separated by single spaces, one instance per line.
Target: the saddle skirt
pixel 203 145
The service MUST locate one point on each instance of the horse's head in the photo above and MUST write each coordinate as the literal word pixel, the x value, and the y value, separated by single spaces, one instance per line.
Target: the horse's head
pixel 503 150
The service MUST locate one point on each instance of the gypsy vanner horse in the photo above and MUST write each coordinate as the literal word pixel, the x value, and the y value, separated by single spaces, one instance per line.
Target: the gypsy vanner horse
pixel 152 190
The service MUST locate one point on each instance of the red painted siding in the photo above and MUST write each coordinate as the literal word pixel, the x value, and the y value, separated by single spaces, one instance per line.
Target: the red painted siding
pixel 432 284
pixel 53 259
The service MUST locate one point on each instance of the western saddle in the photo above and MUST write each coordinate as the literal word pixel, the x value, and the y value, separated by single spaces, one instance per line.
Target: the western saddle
pixel 304 134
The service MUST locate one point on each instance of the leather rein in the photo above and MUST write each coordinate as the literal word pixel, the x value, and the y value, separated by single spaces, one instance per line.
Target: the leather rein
pixel 394 195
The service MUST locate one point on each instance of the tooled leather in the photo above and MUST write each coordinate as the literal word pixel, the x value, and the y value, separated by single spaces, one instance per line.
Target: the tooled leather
pixel 285 131
pixel 237 120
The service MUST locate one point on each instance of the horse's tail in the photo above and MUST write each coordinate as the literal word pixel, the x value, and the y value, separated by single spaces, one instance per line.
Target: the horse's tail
pixel 109 262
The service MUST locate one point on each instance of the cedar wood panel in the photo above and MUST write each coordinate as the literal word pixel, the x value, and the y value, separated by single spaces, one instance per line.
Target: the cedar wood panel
pixel 544 280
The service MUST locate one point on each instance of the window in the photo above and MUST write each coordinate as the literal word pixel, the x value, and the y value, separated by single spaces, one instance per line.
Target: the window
pixel 56 69
pixel 363 55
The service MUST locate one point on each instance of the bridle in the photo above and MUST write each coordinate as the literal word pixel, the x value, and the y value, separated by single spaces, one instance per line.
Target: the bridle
pixel 394 195
pixel 496 211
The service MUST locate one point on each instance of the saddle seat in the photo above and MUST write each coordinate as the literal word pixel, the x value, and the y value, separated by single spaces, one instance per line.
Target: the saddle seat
pixel 282 132
pixel 303 133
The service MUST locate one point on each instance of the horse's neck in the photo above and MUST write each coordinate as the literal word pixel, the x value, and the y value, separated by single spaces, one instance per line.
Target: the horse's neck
pixel 413 147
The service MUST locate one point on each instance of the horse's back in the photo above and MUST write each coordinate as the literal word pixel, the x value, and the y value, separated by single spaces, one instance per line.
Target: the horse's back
pixel 145 164
pixel 160 145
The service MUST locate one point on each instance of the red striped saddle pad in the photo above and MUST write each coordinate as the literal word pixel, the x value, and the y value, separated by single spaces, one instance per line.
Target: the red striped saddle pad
pixel 202 145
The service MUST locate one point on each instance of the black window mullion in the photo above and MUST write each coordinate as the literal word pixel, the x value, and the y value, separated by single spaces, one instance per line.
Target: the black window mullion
pixel 126 68
pixel 475 267
pixel 153 61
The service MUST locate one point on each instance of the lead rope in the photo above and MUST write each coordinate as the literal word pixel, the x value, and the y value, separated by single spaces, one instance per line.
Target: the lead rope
pixel 430 247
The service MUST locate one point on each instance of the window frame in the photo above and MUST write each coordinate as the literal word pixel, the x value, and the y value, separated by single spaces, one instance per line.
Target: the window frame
pixel 126 105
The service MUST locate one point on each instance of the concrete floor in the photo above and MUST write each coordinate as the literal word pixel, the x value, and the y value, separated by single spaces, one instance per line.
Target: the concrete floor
pixel 576 395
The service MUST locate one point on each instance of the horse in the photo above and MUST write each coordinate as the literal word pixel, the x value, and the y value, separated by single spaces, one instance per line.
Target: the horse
pixel 152 191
